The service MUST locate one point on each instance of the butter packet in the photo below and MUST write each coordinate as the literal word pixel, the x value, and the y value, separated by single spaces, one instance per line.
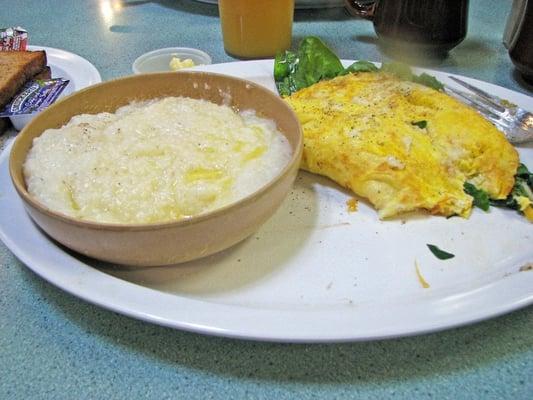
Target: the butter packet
pixel 35 96
pixel 13 39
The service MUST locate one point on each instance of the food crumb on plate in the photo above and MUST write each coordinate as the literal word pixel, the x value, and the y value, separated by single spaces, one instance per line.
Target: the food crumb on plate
pixel 352 204
pixel 421 279
pixel 526 267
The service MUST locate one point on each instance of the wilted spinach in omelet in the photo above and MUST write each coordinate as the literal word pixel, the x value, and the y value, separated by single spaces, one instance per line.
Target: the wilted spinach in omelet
pixel 401 145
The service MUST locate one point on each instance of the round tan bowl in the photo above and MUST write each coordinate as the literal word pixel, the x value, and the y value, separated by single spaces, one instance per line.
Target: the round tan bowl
pixel 170 242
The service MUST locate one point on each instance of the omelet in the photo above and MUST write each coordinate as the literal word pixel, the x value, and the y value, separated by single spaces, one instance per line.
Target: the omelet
pixel 401 145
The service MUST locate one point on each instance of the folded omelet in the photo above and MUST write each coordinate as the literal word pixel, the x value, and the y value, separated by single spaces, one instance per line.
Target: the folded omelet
pixel 401 145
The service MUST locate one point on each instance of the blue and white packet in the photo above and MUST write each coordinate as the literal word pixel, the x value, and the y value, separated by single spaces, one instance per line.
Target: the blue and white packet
pixel 35 96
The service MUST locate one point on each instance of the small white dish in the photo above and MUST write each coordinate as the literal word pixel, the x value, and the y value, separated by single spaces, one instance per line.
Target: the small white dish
pixel 159 60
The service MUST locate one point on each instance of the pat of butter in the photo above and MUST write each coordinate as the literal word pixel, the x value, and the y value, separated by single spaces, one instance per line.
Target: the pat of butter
pixel 177 64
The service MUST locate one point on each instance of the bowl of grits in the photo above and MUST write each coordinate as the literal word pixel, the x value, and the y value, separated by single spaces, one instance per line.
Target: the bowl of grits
pixel 157 169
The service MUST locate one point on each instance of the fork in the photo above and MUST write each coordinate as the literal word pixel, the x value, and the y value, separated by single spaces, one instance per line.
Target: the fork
pixel 515 122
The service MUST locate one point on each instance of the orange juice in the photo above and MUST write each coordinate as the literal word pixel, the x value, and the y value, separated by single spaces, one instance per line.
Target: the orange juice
pixel 256 28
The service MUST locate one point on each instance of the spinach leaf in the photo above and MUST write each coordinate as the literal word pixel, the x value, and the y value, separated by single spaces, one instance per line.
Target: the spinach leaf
pixel 523 172
pixel 440 254
pixel 360 66
pixel 523 187
pixel 524 178
pixel 421 124
pixel 400 70
pixel 481 198
pixel 509 202
pixel 429 81
pixel 403 71
pixel 313 62
pixel 284 67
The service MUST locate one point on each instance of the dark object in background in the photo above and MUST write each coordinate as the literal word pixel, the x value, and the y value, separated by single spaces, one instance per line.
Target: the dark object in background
pixel 4 124
pixel 521 44
pixel 430 27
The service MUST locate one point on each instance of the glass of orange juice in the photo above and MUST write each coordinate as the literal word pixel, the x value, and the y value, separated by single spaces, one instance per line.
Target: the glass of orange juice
pixel 256 28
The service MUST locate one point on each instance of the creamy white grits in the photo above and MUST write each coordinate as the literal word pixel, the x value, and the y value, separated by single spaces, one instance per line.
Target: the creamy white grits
pixel 154 161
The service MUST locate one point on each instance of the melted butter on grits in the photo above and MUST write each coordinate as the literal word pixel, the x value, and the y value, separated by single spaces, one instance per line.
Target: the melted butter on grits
pixel 154 161
pixel 401 145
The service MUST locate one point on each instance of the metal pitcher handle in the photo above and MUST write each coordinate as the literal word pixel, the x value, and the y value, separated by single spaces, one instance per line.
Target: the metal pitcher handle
pixel 361 8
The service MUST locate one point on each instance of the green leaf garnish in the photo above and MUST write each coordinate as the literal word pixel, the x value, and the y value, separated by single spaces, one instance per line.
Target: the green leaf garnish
pixel 360 66
pixel 421 124
pixel 400 70
pixel 313 62
pixel 403 71
pixel 523 173
pixel 440 254
pixel 284 66
pixel 481 198
pixel 429 81
pixel 523 187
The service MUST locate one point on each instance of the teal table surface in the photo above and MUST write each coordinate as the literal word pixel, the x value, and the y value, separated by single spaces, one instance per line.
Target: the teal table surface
pixel 55 346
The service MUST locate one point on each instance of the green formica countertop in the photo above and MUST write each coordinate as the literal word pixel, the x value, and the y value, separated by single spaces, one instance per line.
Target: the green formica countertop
pixel 55 346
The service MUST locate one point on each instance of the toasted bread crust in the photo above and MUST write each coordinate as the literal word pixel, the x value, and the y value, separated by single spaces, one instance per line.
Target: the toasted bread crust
pixel 46 73
pixel 16 67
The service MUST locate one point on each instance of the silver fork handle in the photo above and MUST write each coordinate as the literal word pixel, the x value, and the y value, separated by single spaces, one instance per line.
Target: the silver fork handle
pixel 517 125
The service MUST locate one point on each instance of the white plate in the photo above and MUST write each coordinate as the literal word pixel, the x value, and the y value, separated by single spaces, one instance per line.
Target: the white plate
pixel 314 272
pixel 63 64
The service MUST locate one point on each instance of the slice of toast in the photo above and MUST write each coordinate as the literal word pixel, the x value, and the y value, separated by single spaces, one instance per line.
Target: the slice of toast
pixel 16 68
pixel 44 73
